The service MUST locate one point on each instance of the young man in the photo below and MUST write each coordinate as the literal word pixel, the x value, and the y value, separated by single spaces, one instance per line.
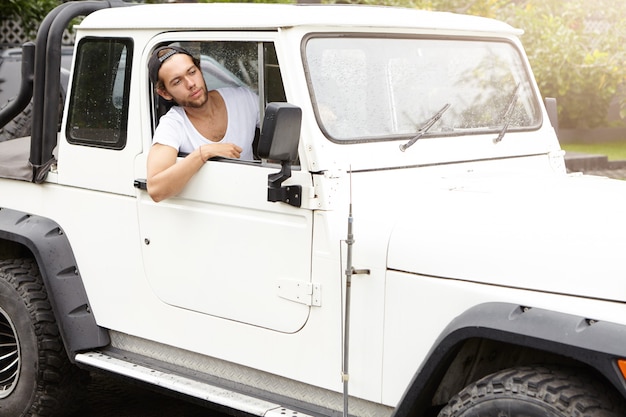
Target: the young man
pixel 203 123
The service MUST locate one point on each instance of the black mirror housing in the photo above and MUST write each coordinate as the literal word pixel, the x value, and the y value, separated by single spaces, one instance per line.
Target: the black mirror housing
pixel 279 141
pixel 280 134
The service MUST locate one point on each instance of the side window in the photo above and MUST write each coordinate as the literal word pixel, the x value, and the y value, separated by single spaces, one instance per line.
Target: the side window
pixel 273 82
pixel 98 112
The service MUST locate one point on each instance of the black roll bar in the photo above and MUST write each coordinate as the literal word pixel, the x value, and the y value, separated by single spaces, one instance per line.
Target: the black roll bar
pixel 39 81
pixel 20 102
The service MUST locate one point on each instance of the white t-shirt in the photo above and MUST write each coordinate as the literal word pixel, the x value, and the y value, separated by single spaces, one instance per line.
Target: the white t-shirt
pixel 242 107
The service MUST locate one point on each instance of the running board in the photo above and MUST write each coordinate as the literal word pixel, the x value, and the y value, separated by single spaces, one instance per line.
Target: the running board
pixel 187 386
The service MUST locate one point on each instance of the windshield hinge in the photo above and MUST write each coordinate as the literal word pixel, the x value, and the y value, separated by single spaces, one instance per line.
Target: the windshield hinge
pixel 308 293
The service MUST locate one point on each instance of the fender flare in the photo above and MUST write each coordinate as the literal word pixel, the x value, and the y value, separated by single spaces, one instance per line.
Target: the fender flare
pixel 595 343
pixel 52 251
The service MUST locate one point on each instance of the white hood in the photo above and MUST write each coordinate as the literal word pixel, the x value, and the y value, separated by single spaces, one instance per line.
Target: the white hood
pixel 562 234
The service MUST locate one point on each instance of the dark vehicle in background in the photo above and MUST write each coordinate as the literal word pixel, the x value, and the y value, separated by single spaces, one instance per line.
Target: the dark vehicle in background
pixel 10 79
pixel 10 72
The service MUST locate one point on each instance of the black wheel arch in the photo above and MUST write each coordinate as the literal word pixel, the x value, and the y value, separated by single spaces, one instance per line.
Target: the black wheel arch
pixel 50 247
pixel 575 340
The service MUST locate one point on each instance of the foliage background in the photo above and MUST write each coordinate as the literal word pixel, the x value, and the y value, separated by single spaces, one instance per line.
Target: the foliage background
pixel 29 12
pixel 577 48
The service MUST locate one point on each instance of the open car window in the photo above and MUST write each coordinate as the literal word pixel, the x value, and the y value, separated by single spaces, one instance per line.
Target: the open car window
pixel 235 63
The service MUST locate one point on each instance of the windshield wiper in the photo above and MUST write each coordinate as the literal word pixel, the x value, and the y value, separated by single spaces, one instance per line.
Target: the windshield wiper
pixel 506 117
pixel 425 127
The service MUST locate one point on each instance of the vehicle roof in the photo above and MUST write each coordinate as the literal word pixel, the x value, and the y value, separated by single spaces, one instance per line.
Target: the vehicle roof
pixel 272 16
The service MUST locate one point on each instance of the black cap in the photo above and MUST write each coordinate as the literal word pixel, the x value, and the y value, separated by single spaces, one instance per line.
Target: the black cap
pixel 155 61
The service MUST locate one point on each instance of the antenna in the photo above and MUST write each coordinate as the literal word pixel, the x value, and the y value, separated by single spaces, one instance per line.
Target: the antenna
pixel 350 271
pixel 346 332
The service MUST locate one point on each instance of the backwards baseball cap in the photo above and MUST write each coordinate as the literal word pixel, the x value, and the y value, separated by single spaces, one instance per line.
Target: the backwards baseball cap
pixel 155 61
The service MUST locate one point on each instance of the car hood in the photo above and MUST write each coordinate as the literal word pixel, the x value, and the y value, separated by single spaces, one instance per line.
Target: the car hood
pixel 562 234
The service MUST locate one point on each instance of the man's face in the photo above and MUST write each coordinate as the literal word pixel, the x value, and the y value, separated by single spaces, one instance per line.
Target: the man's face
pixel 183 81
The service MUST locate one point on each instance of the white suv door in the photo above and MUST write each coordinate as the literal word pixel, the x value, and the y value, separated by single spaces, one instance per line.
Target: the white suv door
pixel 220 248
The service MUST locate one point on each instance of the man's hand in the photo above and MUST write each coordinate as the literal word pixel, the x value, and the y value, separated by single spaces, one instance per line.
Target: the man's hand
pixel 226 150
pixel 166 177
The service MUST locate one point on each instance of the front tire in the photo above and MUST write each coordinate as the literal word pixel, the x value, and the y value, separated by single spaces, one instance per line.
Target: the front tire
pixel 36 377
pixel 535 392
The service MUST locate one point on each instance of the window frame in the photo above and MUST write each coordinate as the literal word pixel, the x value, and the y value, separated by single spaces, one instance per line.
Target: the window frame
pixel 403 36
pixel 75 103
pixel 262 68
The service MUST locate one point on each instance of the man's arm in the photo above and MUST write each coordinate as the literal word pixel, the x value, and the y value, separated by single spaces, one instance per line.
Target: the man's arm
pixel 166 177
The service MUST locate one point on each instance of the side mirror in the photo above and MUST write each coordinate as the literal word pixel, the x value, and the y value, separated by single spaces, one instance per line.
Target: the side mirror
pixel 280 136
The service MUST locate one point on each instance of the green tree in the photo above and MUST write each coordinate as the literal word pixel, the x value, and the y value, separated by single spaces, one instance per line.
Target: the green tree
pixel 578 53
pixel 29 12
pixel 486 8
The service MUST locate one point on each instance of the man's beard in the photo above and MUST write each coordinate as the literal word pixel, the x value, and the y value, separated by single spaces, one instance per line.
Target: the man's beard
pixel 195 103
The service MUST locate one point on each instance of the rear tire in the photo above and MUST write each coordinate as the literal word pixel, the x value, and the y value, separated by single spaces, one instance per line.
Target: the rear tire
pixel 36 377
pixel 535 392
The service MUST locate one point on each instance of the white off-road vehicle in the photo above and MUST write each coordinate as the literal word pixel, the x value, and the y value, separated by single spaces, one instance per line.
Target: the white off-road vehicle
pixel 407 243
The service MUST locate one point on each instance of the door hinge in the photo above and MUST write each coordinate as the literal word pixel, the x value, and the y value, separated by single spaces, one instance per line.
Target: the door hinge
pixel 308 293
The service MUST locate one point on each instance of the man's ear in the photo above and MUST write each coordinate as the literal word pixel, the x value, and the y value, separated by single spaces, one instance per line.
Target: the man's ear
pixel 163 93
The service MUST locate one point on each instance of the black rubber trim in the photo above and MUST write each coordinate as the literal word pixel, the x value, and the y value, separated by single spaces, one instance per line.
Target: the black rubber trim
pixel 595 343
pixel 59 270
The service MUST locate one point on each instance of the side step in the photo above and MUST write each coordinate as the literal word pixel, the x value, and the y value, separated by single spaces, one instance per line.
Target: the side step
pixel 185 385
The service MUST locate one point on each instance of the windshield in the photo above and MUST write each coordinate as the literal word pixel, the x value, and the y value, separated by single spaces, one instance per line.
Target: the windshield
pixel 388 88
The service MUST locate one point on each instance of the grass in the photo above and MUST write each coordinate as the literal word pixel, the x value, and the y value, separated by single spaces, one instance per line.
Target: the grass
pixel 615 150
